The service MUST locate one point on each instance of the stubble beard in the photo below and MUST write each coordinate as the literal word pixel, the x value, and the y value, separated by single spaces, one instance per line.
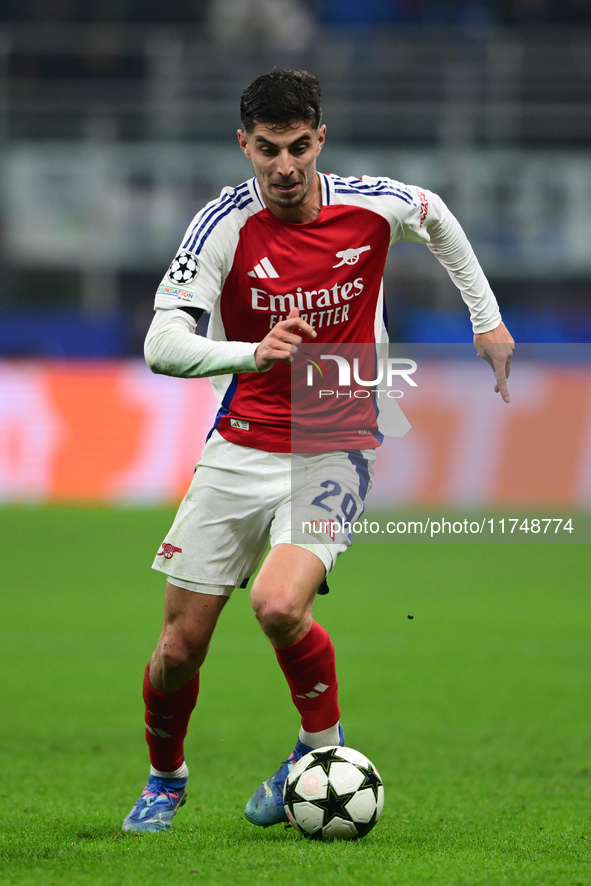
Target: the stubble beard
pixel 291 201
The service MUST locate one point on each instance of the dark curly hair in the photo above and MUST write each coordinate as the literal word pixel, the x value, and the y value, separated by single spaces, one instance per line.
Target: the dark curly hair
pixel 280 98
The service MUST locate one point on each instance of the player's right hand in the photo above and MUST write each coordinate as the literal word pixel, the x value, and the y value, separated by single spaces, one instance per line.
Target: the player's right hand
pixel 281 343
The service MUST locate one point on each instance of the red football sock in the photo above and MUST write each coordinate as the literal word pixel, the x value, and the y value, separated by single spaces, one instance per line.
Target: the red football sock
pixel 167 722
pixel 310 670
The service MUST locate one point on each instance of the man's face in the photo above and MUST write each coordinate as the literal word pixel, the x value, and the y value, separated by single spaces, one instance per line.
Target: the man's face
pixel 284 163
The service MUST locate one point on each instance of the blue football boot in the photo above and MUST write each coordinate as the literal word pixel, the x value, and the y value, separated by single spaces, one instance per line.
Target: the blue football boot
pixel 265 807
pixel 155 809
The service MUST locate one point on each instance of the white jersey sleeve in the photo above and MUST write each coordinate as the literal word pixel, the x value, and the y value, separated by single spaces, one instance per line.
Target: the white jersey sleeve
pixel 198 271
pixel 172 348
pixel 450 245
pixel 195 279
pixel 420 216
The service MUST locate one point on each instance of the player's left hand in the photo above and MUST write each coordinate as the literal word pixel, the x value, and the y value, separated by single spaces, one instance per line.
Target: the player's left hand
pixel 496 347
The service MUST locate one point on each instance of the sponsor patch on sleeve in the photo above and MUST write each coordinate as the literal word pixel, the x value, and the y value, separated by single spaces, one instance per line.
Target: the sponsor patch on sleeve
pixel 183 294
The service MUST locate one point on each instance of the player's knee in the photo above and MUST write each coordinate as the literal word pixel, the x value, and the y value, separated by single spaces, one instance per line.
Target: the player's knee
pixel 277 612
pixel 180 652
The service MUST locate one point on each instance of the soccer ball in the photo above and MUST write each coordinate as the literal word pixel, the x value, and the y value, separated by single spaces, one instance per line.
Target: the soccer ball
pixel 184 268
pixel 333 793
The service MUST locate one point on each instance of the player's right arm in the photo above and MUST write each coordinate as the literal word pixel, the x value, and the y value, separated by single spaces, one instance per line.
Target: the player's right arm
pixel 172 348
pixel 192 286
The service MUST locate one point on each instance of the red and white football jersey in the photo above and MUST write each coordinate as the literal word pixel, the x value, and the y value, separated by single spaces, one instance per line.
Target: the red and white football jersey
pixel 248 269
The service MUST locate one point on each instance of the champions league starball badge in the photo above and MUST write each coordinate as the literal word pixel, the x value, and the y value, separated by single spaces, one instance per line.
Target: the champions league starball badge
pixel 184 268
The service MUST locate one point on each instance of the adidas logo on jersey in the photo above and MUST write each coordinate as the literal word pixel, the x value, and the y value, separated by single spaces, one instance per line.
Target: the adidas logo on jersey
pixel 263 270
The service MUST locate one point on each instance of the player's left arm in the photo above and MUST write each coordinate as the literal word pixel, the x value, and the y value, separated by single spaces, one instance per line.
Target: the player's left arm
pixel 431 222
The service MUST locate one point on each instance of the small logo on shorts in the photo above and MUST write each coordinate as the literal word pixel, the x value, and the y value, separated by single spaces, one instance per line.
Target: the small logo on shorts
pixel 238 423
pixel 324 527
pixel 168 551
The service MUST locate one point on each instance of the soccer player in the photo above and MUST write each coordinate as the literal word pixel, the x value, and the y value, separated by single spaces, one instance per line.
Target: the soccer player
pixel 290 256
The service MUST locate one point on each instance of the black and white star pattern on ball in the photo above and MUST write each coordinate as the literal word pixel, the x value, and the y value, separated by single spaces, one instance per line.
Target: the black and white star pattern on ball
pixel 334 805
pixel 324 759
pixel 184 268
pixel 365 828
pixel 371 779
pixel 290 795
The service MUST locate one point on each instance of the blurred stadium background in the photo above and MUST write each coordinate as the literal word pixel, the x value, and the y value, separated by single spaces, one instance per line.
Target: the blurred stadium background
pixel 118 121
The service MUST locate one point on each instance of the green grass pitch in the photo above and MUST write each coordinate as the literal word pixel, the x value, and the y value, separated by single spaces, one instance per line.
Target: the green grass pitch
pixel 475 711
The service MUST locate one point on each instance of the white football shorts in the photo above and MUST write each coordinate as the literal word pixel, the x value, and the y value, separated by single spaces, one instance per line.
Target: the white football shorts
pixel 241 497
